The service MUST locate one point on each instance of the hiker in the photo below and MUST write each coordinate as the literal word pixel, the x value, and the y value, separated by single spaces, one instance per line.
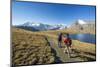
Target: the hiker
pixel 68 43
pixel 59 40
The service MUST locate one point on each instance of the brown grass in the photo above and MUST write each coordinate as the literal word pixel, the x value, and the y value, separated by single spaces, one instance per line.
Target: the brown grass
pixel 30 49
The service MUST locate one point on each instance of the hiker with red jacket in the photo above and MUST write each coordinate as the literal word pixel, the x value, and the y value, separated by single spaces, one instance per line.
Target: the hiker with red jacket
pixel 68 43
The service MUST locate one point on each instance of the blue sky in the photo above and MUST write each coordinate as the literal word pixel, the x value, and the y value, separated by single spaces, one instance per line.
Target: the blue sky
pixel 50 13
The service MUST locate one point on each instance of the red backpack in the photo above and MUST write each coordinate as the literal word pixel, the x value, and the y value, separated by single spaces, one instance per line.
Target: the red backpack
pixel 67 41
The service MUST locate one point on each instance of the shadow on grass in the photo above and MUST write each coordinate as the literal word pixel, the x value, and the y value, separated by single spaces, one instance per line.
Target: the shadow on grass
pixel 57 59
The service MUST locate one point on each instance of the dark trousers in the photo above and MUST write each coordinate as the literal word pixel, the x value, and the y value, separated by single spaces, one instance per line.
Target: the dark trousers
pixel 59 43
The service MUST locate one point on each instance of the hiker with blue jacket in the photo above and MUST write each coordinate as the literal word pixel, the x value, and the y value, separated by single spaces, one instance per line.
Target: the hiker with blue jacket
pixel 59 40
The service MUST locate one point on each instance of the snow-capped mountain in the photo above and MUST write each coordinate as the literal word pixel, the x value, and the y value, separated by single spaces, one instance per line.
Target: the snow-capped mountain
pixel 41 26
pixel 83 25
pixel 30 24
pixel 81 22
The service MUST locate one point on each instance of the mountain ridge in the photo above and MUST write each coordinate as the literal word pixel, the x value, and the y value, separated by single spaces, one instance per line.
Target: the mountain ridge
pixel 78 25
pixel 41 26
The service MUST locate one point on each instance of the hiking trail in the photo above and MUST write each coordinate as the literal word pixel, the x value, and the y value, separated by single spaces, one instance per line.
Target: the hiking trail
pixel 60 53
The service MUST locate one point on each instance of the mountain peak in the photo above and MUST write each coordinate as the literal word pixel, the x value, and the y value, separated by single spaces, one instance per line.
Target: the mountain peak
pixel 31 24
pixel 81 21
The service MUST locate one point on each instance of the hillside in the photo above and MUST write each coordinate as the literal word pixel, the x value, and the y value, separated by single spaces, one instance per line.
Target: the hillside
pixel 76 44
pixel 41 47
pixel 29 49
pixel 84 26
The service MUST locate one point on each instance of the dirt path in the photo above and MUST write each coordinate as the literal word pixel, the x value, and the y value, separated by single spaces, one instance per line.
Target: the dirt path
pixel 62 56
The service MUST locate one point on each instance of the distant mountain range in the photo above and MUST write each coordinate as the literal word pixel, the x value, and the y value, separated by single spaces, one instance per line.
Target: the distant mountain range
pixel 78 25
pixel 40 26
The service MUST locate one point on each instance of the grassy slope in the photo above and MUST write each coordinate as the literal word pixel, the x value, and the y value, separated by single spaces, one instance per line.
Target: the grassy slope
pixel 77 45
pixel 29 48
pixel 85 51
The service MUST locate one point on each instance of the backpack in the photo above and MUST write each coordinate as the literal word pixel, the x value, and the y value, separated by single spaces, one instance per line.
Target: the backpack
pixel 67 41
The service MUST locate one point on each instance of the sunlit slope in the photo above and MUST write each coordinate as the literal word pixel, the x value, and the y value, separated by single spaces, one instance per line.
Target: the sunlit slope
pixel 33 48
pixel 85 50
pixel 29 48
